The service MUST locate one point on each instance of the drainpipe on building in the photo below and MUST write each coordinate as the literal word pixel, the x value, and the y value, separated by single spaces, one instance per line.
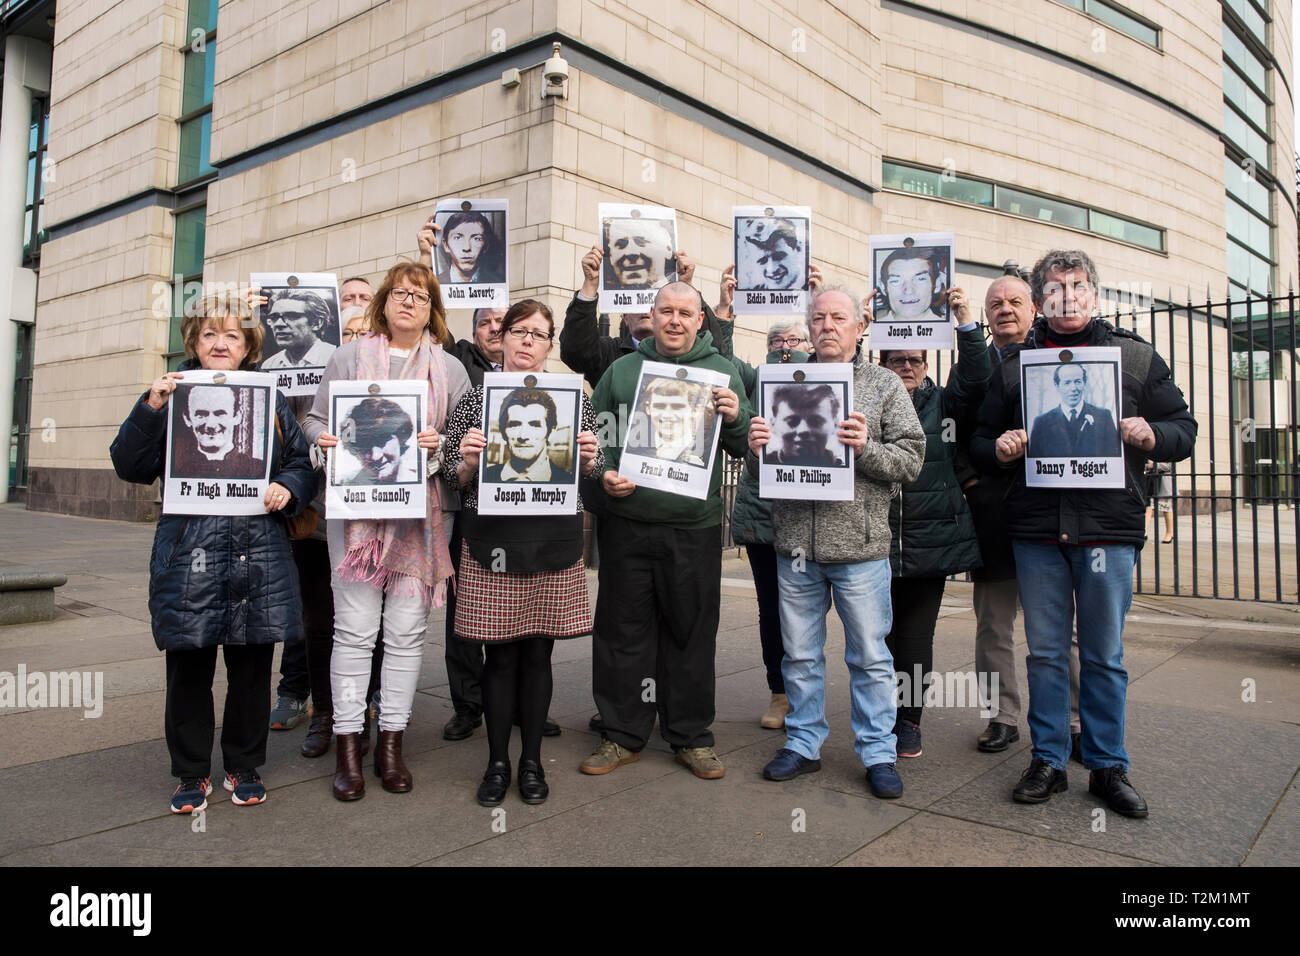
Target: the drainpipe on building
pixel 26 71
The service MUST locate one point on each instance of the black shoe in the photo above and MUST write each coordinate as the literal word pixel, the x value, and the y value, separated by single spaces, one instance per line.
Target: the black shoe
pixel 596 724
pixel 551 729
pixel 532 782
pixel 1039 782
pixel 1076 748
pixel 496 781
pixel 1111 784
pixel 997 737
pixel 461 726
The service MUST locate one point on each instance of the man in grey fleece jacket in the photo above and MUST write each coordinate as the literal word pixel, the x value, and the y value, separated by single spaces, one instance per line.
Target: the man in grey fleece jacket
pixel 843 546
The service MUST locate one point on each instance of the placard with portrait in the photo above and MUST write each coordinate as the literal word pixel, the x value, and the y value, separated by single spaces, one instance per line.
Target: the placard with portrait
pixel 300 327
pixel 530 465
pixel 803 406
pixel 470 257
pixel 378 469
pixel 1070 399
pixel 910 279
pixel 640 248
pixel 219 443
pixel 672 432
pixel 771 245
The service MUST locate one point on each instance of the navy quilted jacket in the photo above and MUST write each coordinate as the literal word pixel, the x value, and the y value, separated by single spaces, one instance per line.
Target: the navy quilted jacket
pixel 242 586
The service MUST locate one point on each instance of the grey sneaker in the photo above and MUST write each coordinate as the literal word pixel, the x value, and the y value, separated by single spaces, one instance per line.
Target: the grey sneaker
pixel 288 713
pixel 702 762
pixel 608 756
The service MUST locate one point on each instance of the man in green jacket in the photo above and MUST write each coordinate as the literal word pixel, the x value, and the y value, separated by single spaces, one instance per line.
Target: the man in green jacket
pixel 657 611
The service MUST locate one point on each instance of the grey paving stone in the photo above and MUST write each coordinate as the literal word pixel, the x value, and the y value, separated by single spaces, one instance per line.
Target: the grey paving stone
pixel 928 839
pixel 1210 782
pixel 1278 844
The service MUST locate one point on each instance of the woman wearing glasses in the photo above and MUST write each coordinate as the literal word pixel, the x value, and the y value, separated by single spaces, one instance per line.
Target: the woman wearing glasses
pixel 389 571
pixel 933 534
pixel 522 584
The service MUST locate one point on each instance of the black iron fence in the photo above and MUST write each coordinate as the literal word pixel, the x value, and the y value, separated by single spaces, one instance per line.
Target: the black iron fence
pixel 1236 501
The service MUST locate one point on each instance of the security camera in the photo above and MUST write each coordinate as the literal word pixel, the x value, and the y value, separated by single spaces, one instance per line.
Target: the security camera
pixel 555 75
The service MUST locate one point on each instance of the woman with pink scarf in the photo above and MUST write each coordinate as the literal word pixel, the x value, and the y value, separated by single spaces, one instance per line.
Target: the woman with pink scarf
pixel 389 571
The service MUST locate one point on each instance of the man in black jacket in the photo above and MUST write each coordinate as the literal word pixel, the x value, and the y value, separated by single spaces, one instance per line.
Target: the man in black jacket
pixel 1076 548
pixel 1008 311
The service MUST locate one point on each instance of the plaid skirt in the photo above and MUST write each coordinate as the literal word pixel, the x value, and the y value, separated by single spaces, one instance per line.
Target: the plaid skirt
pixel 499 606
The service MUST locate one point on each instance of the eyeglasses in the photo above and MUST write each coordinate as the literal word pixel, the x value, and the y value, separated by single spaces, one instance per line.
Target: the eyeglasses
pixel 787 342
pixel 520 334
pixel 407 295
pixel 899 361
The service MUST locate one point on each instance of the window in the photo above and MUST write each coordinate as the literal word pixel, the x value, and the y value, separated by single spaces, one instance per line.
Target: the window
pixel 187 274
pixel 1248 149
pixel 978 192
pixel 1125 21
pixel 196 91
pixel 38 135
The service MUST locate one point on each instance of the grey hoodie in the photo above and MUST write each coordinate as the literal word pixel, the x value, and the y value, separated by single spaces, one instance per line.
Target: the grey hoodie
pixel 838 532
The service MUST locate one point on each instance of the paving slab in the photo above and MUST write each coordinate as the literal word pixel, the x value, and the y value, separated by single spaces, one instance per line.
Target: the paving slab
pixel 1191 767
pixel 930 839
pixel 1278 844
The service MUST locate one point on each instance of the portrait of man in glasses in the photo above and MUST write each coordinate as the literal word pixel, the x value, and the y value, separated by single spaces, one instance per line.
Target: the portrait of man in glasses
pixel 301 329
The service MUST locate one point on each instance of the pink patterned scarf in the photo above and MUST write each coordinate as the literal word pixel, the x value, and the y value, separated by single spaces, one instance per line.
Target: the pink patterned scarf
pixel 381 552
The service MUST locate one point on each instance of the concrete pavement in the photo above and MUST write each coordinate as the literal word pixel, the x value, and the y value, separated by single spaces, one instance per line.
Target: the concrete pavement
pixel 1213 732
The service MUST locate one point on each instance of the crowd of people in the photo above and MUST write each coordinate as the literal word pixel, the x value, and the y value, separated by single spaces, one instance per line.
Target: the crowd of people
pixel 939 488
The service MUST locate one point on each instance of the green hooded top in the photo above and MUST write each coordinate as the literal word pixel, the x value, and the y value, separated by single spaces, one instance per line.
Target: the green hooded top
pixel 613 402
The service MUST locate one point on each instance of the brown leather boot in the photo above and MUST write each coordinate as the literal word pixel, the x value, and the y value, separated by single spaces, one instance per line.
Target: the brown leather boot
pixel 349 783
pixel 389 767
pixel 317 741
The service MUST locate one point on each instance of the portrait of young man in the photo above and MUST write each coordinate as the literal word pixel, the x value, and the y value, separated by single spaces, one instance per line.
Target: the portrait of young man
pixel 377 433
pixel 772 256
pixel 297 322
pixel 469 250
pixel 207 445
pixel 910 280
pixel 527 418
pixel 668 425
pixel 804 419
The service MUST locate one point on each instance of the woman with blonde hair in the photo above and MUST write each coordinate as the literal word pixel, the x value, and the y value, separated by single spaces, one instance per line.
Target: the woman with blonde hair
pixel 243 598
pixel 389 570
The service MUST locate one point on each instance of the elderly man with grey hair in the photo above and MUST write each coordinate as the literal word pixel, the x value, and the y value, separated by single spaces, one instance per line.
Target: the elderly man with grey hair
pixel 1075 548
pixel 841 548
pixel 1008 312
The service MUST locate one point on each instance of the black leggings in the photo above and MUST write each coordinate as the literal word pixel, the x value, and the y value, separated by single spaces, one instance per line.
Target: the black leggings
pixel 517 678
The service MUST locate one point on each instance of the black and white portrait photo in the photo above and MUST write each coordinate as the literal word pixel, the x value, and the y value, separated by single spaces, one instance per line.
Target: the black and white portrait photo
pixel 674 421
pixel 531 424
pixel 1070 402
pixel 640 247
pixel 910 278
pixel 772 257
pixel 377 438
pixel 469 256
pixel 804 417
pixel 672 431
pixel 300 326
pixel 803 406
pixel 219 440
pixel 218 431
pixel 377 470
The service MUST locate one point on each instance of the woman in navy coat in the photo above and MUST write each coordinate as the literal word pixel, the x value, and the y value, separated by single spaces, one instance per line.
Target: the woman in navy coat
pixel 219 580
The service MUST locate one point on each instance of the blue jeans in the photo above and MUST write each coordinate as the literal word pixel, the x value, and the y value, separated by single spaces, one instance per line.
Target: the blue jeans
pixel 862 601
pixel 1053 580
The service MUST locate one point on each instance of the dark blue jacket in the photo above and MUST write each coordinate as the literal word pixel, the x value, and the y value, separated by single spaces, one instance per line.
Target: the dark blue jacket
pixel 242 586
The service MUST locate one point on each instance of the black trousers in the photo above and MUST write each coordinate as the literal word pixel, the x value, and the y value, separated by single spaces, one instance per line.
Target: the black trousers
pixel 911 639
pixel 305 664
pixel 655 632
pixel 189 721
pixel 464 658
pixel 762 562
